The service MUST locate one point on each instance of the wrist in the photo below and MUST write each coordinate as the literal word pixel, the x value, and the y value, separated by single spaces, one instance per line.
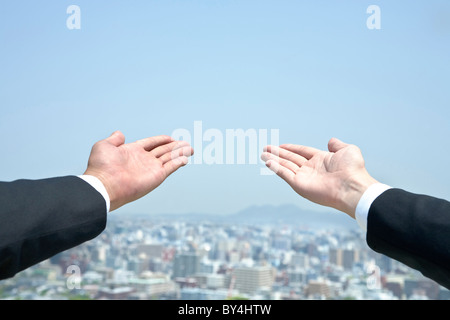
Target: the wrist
pixel 106 185
pixel 353 190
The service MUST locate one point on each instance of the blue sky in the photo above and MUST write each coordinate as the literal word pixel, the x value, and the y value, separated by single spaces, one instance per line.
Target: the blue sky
pixel 311 69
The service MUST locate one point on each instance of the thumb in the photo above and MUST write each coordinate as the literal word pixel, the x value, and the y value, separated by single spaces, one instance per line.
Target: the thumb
pixel 117 139
pixel 334 145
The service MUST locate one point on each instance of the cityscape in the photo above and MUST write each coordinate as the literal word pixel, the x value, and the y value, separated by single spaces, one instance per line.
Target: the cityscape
pixel 147 257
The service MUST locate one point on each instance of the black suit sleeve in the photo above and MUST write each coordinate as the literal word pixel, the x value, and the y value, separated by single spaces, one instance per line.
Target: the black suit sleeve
pixel 413 229
pixel 41 218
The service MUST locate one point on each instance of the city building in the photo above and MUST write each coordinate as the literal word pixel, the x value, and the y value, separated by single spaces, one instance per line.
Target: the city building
pixel 186 264
pixel 251 279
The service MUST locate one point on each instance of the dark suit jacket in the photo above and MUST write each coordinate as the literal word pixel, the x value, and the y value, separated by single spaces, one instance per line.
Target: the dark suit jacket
pixel 41 218
pixel 413 229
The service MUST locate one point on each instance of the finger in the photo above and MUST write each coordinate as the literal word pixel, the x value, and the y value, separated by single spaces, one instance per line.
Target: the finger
pixel 116 139
pixel 285 154
pixel 334 145
pixel 163 149
pixel 174 164
pixel 283 172
pixel 266 156
pixel 186 151
pixel 150 143
pixel 306 152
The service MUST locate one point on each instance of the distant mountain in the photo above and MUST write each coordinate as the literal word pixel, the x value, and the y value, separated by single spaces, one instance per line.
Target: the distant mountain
pixel 291 214
pixel 266 214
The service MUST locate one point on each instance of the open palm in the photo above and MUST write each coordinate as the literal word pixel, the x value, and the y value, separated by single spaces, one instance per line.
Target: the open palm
pixel 130 171
pixel 333 178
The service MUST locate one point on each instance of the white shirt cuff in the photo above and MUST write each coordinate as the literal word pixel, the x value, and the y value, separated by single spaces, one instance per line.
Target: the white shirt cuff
pixel 98 185
pixel 362 209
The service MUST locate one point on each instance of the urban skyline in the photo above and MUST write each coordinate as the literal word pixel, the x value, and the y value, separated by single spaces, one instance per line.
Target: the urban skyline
pixel 162 259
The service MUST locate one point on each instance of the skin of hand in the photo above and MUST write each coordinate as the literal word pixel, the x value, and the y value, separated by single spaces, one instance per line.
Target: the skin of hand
pixel 131 171
pixel 337 178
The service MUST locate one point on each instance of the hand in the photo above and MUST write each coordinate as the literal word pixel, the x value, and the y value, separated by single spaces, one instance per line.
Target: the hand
pixel 130 171
pixel 336 179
